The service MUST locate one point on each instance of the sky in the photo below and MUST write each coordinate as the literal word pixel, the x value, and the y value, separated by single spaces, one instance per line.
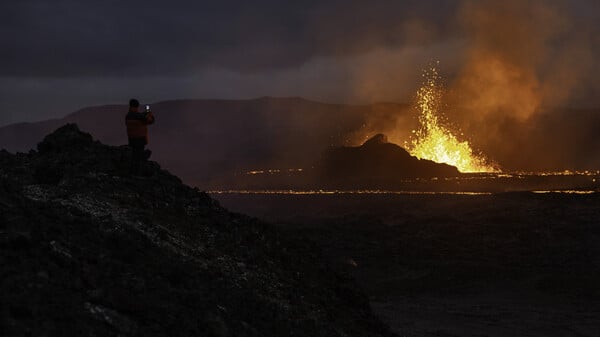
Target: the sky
pixel 59 56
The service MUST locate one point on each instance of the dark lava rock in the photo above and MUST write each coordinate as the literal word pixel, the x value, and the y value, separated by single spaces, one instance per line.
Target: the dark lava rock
pixel 88 251
pixel 376 164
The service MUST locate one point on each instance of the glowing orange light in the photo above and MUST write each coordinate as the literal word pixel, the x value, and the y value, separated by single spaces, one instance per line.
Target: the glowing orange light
pixel 435 141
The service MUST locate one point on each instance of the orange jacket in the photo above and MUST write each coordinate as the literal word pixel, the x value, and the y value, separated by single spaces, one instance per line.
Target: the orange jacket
pixel 137 125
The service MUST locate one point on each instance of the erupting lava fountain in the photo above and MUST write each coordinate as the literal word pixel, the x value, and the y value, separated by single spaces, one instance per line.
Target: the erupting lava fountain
pixel 435 141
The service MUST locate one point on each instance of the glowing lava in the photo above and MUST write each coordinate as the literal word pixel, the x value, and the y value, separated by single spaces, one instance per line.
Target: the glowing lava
pixel 433 140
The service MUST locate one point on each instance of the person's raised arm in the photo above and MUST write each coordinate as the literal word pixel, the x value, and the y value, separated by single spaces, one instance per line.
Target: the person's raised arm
pixel 149 118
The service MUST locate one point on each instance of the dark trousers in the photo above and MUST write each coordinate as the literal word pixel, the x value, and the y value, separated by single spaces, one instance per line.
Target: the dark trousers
pixel 138 155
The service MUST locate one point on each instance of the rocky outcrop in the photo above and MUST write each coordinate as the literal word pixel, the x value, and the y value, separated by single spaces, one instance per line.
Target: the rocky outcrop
pixel 87 250
pixel 376 164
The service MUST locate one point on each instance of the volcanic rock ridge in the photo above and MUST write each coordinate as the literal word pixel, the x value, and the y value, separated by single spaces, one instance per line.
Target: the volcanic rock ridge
pixel 376 163
pixel 88 250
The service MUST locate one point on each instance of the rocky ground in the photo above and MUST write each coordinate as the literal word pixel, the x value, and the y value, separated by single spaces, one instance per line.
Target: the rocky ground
pixel 509 264
pixel 87 250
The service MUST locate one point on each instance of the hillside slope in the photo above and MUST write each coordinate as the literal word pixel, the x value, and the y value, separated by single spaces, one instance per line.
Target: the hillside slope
pixel 88 250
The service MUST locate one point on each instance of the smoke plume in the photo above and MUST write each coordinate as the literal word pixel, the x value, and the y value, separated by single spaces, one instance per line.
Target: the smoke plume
pixel 523 59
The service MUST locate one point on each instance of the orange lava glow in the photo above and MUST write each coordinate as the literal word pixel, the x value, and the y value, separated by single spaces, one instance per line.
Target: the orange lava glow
pixel 272 171
pixel 343 192
pixel 434 140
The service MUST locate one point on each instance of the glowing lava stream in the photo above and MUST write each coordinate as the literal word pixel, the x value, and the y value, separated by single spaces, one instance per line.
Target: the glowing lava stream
pixel 434 141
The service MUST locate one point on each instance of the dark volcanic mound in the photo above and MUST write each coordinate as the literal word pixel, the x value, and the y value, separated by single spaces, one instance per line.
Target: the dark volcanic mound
pixel 90 251
pixel 376 163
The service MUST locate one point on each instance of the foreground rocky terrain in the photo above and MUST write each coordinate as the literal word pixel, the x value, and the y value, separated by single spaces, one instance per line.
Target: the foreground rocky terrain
pixel 87 250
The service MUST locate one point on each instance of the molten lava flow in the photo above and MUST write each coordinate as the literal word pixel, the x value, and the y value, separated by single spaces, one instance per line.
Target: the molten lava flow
pixel 433 140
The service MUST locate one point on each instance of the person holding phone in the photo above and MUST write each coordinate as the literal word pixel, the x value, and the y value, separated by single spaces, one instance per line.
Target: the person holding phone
pixel 137 132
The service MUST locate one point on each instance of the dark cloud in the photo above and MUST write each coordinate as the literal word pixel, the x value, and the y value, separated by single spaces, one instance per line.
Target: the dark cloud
pixel 70 38
pixel 74 38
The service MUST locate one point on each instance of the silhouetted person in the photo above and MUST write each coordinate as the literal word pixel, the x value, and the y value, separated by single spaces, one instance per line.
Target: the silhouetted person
pixel 137 131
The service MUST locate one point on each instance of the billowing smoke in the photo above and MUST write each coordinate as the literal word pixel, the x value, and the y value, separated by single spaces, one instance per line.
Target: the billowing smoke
pixel 508 48
pixel 524 59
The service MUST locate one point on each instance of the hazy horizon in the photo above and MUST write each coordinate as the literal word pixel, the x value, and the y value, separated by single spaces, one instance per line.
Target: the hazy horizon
pixel 77 107
pixel 62 114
